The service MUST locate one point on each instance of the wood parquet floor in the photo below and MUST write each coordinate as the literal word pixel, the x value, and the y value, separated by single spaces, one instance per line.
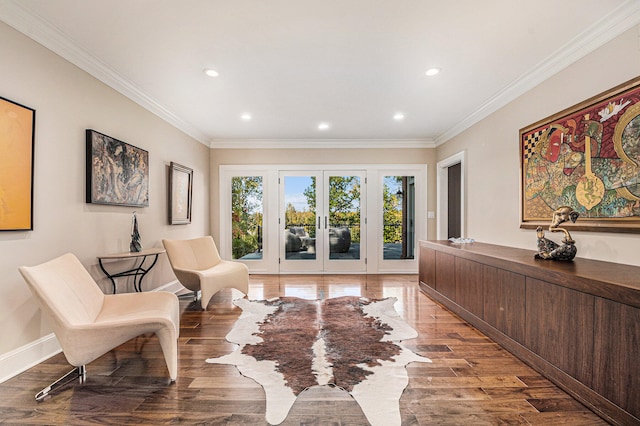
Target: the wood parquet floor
pixel 472 380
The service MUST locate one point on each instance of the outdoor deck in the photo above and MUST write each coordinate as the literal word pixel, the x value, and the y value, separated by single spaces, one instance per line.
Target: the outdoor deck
pixel 392 251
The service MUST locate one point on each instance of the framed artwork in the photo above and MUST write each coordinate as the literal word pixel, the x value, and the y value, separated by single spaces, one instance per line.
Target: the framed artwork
pixel 180 191
pixel 586 157
pixel 17 141
pixel 117 173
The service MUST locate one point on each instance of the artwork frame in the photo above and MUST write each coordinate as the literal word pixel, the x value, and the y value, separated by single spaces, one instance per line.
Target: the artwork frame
pixel 117 172
pixel 180 194
pixel 17 156
pixel 586 157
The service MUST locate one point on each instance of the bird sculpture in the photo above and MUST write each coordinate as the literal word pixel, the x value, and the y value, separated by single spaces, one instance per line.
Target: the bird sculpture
pixel 548 249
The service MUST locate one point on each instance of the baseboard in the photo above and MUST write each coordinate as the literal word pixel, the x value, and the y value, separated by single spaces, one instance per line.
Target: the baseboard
pixel 23 358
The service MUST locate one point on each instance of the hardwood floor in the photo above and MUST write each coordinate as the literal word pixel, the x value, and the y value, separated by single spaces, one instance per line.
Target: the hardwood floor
pixel 472 381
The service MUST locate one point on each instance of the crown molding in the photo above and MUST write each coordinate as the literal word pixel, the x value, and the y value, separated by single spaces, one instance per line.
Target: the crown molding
pixel 49 36
pixel 320 143
pixel 619 20
pixel 610 26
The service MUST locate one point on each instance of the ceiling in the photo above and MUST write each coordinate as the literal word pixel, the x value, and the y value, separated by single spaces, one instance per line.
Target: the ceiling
pixel 293 64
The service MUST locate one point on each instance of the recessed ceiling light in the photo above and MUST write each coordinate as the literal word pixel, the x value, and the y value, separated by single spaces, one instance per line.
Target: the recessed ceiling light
pixel 398 116
pixel 432 71
pixel 246 116
pixel 323 126
pixel 211 72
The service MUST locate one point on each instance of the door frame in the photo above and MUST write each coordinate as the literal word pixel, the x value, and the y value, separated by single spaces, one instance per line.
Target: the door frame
pixel 345 266
pixel 300 265
pixel 322 263
pixel 270 205
pixel 442 218
pixel 392 266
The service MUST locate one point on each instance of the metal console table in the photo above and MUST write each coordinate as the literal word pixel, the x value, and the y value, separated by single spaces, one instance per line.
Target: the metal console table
pixel 137 272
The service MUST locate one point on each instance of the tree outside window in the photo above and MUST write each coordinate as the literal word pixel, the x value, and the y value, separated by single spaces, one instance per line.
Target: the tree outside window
pixel 246 216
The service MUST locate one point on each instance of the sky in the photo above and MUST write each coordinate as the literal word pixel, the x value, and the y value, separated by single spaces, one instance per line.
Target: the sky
pixel 294 187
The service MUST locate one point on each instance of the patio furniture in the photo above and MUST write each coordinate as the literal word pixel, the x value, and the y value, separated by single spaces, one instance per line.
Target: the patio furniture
pixel 339 239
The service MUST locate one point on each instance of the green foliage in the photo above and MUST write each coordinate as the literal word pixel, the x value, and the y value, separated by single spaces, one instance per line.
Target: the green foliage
pixel 243 246
pixel 310 194
pixel 246 215
pixel 344 199
pixel 306 219
pixel 344 204
pixel 392 212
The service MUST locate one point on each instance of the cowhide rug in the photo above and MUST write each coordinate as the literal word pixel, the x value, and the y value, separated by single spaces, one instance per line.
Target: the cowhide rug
pixel 288 345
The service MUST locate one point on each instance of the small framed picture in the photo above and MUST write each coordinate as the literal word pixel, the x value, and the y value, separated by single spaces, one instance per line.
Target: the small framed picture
pixel 180 190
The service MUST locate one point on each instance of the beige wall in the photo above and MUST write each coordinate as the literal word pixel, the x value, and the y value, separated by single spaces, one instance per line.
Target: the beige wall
pixel 320 156
pixel 492 153
pixel 68 101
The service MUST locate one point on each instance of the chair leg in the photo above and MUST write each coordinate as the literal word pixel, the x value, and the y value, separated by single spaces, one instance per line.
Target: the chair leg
pixel 193 294
pixel 78 372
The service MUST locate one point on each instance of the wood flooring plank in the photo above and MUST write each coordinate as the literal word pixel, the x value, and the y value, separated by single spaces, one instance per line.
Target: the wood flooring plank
pixel 528 393
pixel 435 394
pixel 475 419
pixel 556 404
pixel 584 418
pixel 471 382
pixel 455 407
pixel 223 382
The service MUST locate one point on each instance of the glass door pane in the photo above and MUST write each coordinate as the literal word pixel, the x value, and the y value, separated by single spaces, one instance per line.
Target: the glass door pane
pixel 344 221
pixel 246 217
pixel 344 217
pixel 398 237
pixel 299 222
pixel 300 217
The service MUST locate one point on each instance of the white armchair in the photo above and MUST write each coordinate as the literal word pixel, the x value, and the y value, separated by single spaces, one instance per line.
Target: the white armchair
pixel 198 267
pixel 89 323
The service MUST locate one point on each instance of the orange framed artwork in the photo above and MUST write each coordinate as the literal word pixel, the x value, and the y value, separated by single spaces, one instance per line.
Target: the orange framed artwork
pixel 17 138
pixel 586 157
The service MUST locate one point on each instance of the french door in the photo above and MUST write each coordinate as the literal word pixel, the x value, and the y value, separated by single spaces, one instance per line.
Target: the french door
pixel 322 218
pixel 322 221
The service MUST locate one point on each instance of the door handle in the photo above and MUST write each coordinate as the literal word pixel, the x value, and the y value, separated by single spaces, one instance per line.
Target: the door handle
pixel 319 222
pixel 325 222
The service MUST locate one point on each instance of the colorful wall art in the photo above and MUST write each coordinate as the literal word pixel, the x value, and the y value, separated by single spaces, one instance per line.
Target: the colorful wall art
pixel 588 158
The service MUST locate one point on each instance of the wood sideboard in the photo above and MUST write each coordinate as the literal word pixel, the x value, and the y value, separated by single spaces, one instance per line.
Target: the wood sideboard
pixel 577 323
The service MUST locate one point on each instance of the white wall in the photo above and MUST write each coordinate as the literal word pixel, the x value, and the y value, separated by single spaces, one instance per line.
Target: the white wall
pixel 68 101
pixel 492 152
